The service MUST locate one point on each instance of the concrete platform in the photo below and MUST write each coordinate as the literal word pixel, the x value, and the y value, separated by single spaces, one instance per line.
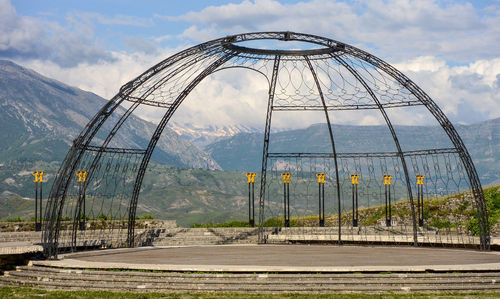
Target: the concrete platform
pixel 283 258
pixel 7 248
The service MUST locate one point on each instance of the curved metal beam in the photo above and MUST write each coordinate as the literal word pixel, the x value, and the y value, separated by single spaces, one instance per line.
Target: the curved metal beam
pixel 55 203
pixel 156 136
pixel 265 149
pixel 450 130
pixel 394 136
pixel 243 67
pixel 57 196
pixel 332 142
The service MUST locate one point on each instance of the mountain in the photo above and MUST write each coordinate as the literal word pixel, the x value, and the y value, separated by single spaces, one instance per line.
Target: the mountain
pixel 40 117
pixel 244 151
pixel 203 136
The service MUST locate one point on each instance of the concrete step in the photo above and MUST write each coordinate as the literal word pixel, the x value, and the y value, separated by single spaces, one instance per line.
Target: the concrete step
pixel 52 277
pixel 40 267
pixel 238 287
pixel 251 279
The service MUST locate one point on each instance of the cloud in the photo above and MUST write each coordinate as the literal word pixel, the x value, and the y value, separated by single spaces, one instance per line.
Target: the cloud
pixel 122 20
pixel 28 38
pixel 396 29
pixel 141 45
pixel 423 39
pixel 466 93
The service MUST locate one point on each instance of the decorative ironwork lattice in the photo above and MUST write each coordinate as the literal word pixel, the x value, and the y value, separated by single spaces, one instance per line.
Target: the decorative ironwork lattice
pixel 100 211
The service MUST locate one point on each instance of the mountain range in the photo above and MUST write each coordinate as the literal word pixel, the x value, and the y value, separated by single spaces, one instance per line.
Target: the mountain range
pixel 40 117
pixel 202 168
pixel 203 136
pixel 244 151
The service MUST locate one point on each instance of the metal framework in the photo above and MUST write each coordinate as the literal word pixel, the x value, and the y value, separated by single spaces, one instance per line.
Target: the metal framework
pixel 333 76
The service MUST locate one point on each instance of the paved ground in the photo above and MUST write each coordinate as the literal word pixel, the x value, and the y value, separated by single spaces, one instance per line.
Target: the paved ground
pixel 290 256
pixel 18 248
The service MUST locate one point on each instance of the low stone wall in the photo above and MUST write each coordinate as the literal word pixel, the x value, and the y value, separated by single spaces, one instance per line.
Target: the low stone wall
pixel 27 226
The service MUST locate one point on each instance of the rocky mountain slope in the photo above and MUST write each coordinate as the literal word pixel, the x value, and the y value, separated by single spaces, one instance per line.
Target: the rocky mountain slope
pixel 203 136
pixel 40 117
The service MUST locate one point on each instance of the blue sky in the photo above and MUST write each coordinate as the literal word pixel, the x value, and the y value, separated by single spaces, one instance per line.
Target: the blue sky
pixel 450 48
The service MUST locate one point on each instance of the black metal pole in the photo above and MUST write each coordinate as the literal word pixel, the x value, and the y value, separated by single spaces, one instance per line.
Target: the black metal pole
pixel 253 204
pixel 353 208
pixel 249 205
pixel 284 203
pixel 357 215
pixel 420 189
pixel 418 205
pixel 319 204
pixel 36 206
pixel 41 197
pixel 288 204
pixel 390 211
pixel 386 212
pixel 422 200
pixel 80 195
pixel 323 204
pixel 84 216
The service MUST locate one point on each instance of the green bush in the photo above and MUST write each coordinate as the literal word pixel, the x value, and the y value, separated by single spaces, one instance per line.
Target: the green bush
pixel 279 222
pixel 17 219
pixel 492 198
pixel 234 223
pixel 438 223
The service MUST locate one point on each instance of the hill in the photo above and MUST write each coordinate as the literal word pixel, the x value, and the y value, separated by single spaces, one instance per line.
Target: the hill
pixel 244 151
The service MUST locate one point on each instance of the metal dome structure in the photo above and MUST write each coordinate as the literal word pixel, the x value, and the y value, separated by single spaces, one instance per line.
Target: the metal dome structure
pixel 328 76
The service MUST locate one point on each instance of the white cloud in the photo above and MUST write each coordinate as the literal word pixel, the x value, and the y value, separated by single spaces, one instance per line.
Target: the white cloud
pixel 465 93
pixel 422 36
pixel 396 29
pixel 105 78
pixel 29 38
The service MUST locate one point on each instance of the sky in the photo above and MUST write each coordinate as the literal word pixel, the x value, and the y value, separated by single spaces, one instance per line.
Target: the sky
pixel 451 49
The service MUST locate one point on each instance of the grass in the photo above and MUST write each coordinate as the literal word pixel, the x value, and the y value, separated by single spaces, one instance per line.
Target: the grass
pixel 24 292
pixel 437 213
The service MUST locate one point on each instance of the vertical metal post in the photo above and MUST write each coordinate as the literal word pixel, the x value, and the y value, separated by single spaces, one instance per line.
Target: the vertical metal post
pixel 284 204
pixel 420 199
pixel 357 210
pixel 82 176
pixel 354 181
pixel 250 204
pixel 286 197
pixel 251 198
pixel 288 203
pixel 265 148
pixel 321 197
pixel 334 151
pixel 36 206
pixel 388 212
pixel 253 204
pixel 37 176
pixel 39 225
pixel 323 204
pixel 321 223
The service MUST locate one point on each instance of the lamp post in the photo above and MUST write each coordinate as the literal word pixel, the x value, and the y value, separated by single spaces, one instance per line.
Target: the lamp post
pixel 420 199
pixel 321 197
pixel 251 198
pixel 286 197
pixel 38 179
pixel 82 176
pixel 388 212
pixel 354 181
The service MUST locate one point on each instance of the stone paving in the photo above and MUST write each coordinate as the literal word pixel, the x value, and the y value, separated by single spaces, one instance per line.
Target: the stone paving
pixel 287 258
